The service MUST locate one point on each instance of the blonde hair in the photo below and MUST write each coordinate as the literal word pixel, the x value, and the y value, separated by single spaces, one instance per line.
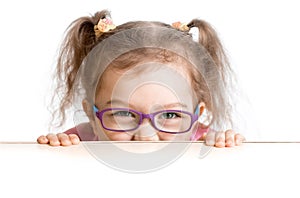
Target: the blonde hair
pixel 211 81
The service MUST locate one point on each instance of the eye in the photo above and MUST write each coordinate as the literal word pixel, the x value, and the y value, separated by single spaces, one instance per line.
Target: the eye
pixel 169 115
pixel 123 114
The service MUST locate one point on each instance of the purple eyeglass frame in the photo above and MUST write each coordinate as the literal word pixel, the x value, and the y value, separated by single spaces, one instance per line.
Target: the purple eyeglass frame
pixel 99 114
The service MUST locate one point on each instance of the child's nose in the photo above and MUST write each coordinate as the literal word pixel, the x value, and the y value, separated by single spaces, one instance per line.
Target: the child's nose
pixel 146 132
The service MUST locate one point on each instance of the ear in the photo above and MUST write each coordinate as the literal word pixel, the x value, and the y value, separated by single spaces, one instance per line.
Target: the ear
pixel 87 107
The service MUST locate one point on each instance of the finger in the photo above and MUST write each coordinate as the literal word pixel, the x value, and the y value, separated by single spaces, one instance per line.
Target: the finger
pixel 42 140
pixel 210 138
pixel 64 139
pixel 220 139
pixel 53 140
pixel 239 139
pixel 229 138
pixel 74 139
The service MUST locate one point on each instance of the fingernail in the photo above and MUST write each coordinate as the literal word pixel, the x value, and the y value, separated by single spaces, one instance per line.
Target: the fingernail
pixel 67 142
pixel 210 142
pixel 238 141
pixel 229 142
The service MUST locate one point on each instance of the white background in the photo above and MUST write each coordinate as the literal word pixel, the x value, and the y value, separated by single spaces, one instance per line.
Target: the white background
pixel 261 38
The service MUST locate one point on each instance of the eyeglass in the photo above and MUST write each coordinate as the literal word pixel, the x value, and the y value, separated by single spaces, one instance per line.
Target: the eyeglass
pixel 124 120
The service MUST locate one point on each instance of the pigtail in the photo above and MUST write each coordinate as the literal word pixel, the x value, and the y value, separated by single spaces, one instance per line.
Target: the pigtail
pixel 209 40
pixel 221 104
pixel 79 40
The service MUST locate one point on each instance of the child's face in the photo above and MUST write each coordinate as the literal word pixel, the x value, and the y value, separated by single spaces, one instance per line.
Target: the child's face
pixel 147 88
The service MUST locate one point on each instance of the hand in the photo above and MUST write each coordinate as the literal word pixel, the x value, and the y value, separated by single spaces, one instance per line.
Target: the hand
pixel 60 139
pixel 223 139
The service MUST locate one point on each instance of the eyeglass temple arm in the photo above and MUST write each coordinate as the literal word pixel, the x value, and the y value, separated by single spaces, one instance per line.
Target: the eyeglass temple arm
pixel 95 109
pixel 196 110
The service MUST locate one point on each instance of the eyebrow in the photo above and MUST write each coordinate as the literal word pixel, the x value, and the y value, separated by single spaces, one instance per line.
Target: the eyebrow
pixel 166 106
pixel 119 102
pixel 177 104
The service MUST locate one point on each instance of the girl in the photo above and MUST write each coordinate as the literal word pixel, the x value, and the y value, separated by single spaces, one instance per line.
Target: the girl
pixel 144 81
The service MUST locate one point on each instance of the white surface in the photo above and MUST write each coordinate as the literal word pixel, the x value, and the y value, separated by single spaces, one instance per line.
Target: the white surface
pixel 261 37
pixel 251 170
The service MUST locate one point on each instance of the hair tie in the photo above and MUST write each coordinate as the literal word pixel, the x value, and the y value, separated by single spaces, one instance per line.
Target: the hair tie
pixel 187 28
pixel 180 26
pixel 104 25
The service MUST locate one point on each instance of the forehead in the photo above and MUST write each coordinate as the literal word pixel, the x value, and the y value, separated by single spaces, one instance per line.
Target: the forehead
pixel 160 73
pixel 150 81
